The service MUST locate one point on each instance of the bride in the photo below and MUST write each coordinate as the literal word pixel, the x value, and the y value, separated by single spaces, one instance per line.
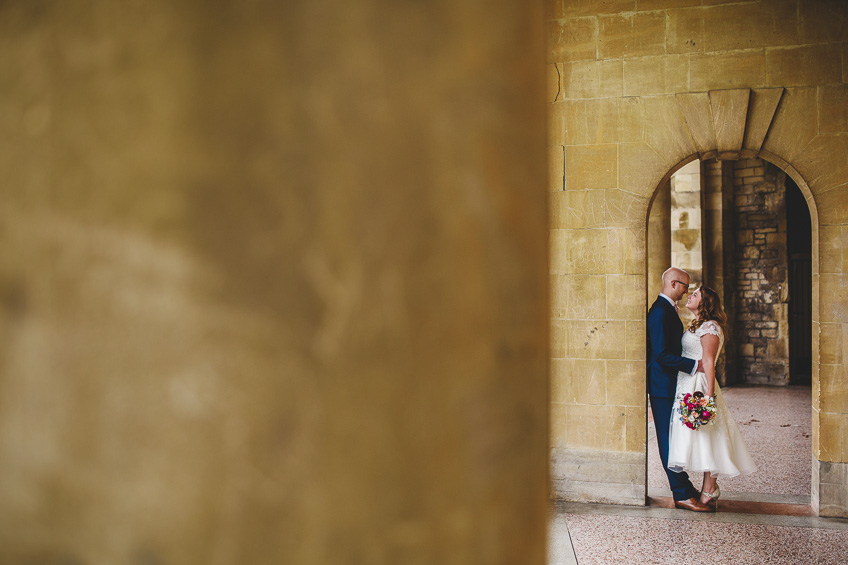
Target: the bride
pixel 717 449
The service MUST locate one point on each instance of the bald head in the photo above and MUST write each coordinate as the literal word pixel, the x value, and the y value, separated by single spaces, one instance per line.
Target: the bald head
pixel 675 283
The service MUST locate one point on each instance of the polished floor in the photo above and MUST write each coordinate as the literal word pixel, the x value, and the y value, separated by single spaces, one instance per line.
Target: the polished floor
pixel 762 518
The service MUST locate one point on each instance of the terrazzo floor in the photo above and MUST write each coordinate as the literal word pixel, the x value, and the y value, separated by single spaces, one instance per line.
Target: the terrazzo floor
pixel 775 424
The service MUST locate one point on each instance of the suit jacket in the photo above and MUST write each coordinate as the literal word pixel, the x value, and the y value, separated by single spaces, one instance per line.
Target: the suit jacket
pixel 665 332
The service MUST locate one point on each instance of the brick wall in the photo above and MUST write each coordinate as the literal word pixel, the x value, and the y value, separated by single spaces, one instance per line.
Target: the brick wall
pixel 760 332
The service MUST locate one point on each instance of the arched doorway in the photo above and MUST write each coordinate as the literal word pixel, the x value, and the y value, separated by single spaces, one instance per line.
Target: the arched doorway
pixel 754 245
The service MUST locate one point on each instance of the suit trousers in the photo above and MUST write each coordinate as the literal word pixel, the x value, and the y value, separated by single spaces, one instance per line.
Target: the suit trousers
pixel 681 486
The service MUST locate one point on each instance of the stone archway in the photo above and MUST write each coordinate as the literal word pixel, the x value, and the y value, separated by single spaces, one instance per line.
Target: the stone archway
pixel 599 240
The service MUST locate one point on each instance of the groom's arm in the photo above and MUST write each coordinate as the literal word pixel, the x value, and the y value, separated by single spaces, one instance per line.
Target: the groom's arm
pixel 656 332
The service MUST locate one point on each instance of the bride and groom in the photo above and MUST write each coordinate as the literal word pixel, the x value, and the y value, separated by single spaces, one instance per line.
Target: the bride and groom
pixel 681 362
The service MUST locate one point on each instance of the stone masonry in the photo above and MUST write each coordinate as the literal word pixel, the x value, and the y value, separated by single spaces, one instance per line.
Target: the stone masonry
pixel 761 331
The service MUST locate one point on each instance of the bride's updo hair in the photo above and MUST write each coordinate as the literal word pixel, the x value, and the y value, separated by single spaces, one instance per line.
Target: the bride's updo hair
pixel 709 309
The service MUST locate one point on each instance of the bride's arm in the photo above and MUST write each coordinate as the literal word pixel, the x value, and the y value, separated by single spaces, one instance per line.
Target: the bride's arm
pixel 709 343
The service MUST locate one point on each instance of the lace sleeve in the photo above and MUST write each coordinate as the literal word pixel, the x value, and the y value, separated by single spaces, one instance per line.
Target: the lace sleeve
pixel 710 327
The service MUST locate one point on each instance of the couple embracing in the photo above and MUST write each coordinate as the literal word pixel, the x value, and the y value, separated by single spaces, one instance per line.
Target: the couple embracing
pixel 681 364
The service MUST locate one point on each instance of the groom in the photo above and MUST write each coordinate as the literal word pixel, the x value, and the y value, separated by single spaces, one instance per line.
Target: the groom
pixel 665 332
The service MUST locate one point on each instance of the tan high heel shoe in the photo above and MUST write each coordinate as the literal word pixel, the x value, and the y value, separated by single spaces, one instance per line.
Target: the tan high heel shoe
pixel 713 497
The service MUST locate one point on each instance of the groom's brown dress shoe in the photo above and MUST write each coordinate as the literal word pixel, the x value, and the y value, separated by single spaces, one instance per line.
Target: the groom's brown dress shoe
pixel 693 504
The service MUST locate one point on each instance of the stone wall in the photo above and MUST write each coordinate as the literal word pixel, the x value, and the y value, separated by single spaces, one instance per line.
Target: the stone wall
pixel 639 88
pixel 687 242
pixel 761 331
pixel 273 283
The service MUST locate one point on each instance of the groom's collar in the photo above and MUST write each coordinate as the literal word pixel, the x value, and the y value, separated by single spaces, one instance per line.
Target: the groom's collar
pixel 670 301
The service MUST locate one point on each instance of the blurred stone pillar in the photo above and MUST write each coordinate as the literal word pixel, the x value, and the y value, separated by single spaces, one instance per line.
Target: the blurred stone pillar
pixel 273 282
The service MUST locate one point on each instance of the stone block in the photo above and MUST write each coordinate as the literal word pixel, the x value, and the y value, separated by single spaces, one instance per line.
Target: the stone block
pixel 685 30
pixel 663 4
pixel 592 79
pixel 833 241
pixel 635 340
pixel 602 428
pixel 805 65
pixel 577 209
pixel 636 436
pixel 578 381
pixel 591 166
pixel 727 70
pixel 830 342
pixel 636 34
pixel 595 339
pixel 822 21
pixel 625 297
pixel 649 76
pixel 588 252
pixel 558 243
pixel 666 132
pixel 557 424
pixel 833 108
pixel 556 124
pixel 586 297
pixel 832 205
pixel 641 169
pixel 559 339
pixel 750 25
pixel 833 431
pixel 834 389
pixel 792 128
pixel 761 108
pixel 695 107
pixel 624 209
pixel 729 111
pixel 573 8
pixel 556 168
pixel 625 381
pixel 591 475
pixel 573 39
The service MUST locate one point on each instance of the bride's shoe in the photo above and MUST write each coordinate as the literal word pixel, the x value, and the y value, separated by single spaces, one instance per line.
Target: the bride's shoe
pixel 712 496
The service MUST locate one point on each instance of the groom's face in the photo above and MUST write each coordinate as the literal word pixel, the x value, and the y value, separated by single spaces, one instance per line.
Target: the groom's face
pixel 681 287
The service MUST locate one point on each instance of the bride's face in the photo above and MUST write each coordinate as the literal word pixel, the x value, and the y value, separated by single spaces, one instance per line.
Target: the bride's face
pixel 694 301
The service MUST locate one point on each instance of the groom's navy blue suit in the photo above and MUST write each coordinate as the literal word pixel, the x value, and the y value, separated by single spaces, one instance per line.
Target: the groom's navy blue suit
pixel 665 332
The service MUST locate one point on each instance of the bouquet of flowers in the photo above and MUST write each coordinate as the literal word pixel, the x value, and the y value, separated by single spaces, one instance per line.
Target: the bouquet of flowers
pixel 696 410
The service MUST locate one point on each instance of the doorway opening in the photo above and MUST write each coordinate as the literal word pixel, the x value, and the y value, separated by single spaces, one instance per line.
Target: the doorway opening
pixel 743 228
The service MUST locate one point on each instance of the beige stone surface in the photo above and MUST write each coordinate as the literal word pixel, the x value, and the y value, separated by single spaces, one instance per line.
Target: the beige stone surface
pixel 577 209
pixel 592 79
pixel 834 389
pixel 625 382
pixel 591 166
pixel 572 39
pixel 647 76
pixel 623 209
pixel 833 108
pixel 833 437
pixel 666 131
pixel 582 7
pixel 580 297
pixel 834 307
pixel 824 165
pixel 589 388
pixel 685 30
pixel 641 168
pixel 556 168
pixel 625 297
pixel 273 283
pixel 822 21
pixel 595 339
pixel 554 82
pixel 833 243
pixel 631 35
pixel 695 108
pixel 762 106
pixel 604 120
pixel 805 65
pixel 749 25
pixel 729 110
pixel 727 70
pixel 602 428
pixel 793 127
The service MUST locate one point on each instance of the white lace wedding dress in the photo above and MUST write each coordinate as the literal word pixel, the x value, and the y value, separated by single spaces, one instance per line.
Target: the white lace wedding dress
pixel 717 447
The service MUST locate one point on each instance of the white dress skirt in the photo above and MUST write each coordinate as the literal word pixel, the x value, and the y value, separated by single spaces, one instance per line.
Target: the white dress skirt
pixel 717 447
